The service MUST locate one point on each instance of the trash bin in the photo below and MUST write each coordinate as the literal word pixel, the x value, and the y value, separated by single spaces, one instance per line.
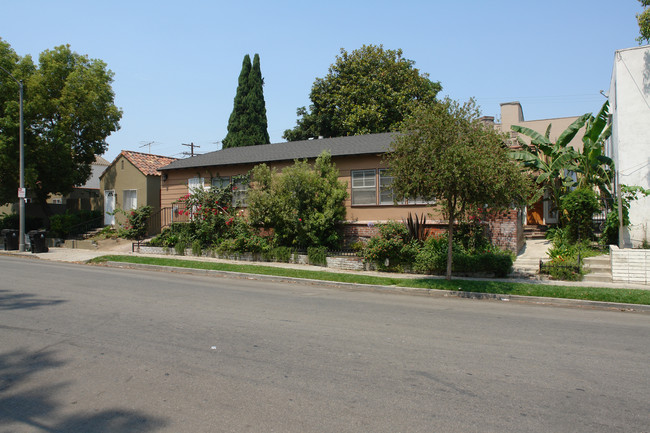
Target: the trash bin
pixel 37 241
pixel 10 239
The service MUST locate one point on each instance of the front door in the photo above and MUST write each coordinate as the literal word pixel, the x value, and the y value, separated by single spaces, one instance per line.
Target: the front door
pixel 109 207
pixel 535 213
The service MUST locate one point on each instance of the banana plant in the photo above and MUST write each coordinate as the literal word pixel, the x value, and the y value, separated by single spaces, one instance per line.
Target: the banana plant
pixel 552 163
pixel 593 167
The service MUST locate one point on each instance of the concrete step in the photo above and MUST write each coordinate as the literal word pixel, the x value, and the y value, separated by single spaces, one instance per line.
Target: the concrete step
pixel 597 277
pixel 599 269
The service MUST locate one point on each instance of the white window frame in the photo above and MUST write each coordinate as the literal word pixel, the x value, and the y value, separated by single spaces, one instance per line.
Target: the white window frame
pixel 194 183
pixel 361 183
pixel 130 203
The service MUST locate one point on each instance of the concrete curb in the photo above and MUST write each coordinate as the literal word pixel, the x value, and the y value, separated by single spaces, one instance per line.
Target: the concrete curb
pixel 413 291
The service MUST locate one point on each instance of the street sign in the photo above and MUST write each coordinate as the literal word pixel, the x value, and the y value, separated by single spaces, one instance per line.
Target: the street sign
pixel 21 192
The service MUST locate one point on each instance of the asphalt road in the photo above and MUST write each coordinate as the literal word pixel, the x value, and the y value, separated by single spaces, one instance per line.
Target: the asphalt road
pixel 92 349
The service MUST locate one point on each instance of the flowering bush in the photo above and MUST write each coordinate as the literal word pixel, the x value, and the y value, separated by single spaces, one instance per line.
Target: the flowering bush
pixel 211 214
pixel 135 226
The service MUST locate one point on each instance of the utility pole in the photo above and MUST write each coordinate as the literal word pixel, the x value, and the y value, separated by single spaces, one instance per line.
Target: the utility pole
pixel 21 169
pixel 191 146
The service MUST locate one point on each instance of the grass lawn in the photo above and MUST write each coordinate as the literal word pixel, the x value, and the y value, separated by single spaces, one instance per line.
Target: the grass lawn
pixel 628 296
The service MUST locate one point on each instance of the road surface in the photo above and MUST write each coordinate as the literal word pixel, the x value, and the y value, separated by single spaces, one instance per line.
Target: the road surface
pixel 90 349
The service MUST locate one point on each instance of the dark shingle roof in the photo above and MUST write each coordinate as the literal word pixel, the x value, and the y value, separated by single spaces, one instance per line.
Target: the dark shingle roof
pixel 339 146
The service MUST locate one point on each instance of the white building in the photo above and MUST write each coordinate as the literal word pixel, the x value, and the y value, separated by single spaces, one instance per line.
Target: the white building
pixel 629 145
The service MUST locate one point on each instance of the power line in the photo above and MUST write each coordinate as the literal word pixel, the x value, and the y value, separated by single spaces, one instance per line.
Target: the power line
pixel 191 146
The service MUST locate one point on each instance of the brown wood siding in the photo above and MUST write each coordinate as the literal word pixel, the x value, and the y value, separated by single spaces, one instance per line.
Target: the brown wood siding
pixel 176 186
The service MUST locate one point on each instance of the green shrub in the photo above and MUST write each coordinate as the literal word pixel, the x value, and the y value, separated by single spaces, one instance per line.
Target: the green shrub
pixel 317 256
pixel 196 247
pixel 578 208
pixel 391 249
pixel 303 204
pixel 179 247
pixel 282 254
pixel 432 259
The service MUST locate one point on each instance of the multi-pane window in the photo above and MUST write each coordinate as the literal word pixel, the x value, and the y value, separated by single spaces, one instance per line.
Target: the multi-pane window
pixel 195 183
pixel 239 192
pixel 364 187
pixel 221 182
pixel 386 193
pixel 130 199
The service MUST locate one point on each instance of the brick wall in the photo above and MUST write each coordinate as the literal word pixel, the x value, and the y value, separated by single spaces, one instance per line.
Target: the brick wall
pixel 505 230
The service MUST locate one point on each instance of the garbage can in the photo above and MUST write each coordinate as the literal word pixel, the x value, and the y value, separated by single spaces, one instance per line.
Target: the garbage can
pixel 10 239
pixel 37 241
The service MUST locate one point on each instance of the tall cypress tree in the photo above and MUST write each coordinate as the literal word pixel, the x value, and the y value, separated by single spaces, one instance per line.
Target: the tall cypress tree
pixel 238 118
pixel 248 124
pixel 256 104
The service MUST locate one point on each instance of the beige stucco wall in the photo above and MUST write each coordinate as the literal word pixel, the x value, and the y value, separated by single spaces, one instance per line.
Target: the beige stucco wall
pixel 176 186
pixel 512 114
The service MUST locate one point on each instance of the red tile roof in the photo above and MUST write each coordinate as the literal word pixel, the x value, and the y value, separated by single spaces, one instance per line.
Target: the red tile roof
pixel 148 164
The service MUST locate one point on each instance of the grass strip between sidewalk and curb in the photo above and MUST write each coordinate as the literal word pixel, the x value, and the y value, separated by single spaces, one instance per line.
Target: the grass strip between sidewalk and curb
pixel 599 294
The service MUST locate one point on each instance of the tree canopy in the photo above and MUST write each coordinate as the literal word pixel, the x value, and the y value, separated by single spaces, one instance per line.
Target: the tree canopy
pixel 643 19
pixel 446 153
pixel 69 111
pixel 248 125
pixel 368 90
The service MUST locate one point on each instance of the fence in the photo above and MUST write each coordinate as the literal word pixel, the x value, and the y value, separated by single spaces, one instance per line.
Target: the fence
pixel 165 217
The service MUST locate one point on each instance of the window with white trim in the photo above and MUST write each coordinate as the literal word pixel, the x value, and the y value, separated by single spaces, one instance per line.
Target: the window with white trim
pixel 130 200
pixel 195 183
pixel 364 187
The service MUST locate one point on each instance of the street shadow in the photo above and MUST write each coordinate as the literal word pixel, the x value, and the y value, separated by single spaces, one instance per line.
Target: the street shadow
pixel 16 301
pixel 37 406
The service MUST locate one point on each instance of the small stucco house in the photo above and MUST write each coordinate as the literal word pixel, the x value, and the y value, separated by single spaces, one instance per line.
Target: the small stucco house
pixel 359 160
pixel 130 181
pixel 629 144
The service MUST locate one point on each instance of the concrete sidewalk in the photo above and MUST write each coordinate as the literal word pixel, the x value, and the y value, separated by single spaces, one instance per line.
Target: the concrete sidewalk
pixel 81 256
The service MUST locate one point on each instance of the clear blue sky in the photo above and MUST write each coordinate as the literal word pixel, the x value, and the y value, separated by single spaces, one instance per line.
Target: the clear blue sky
pixel 176 64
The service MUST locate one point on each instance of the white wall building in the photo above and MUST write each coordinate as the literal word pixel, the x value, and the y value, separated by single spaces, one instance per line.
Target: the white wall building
pixel 629 145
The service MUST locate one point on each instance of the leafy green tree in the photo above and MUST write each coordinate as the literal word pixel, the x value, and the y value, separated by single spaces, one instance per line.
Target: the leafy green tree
pixel 69 111
pixel 644 22
pixel 248 125
pixel 369 90
pixel 446 153
pixel 303 204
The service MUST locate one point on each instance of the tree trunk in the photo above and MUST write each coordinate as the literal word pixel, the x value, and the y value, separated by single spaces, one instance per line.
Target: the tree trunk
pixel 450 239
